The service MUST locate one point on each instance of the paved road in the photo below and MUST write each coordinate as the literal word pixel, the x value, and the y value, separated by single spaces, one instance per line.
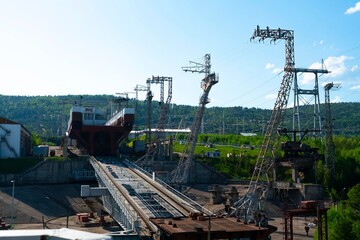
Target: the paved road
pixel 32 204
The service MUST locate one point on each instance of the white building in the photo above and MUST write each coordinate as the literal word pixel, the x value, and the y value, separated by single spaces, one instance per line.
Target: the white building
pixel 15 139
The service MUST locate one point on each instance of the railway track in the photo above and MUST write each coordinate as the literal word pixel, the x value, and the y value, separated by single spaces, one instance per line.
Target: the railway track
pixel 148 197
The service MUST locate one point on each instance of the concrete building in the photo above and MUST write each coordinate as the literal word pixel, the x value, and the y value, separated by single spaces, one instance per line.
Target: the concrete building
pixel 15 139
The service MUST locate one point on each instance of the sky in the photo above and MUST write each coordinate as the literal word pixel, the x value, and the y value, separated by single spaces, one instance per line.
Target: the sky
pixel 87 47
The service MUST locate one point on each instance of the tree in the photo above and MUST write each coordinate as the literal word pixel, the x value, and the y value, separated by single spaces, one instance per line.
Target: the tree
pixel 354 198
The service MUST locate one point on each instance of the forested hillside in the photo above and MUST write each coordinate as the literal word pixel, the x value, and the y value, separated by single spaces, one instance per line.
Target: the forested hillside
pixel 47 116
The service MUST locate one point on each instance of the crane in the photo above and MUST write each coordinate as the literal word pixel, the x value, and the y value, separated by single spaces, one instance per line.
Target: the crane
pixel 181 173
pixel 153 146
pixel 248 205
pixel 329 144
pixel 164 111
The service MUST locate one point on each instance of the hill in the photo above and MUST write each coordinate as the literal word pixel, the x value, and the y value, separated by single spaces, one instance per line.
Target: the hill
pixel 47 116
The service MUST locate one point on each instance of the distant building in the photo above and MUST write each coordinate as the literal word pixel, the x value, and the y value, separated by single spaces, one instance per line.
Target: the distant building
pixel 15 139
pixel 214 154
pixel 248 134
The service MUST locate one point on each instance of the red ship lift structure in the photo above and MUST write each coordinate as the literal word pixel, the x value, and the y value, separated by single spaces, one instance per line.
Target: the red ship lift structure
pixel 96 135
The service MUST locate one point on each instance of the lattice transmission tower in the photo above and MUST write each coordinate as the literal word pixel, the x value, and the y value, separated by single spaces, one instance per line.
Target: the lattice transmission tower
pixel 300 121
pixel 181 174
pixel 249 204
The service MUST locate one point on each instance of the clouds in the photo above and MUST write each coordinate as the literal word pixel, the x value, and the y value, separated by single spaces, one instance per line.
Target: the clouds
pixel 354 9
pixel 318 43
pixel 334 64
pixel 355 68
pixel 271 96
pixel 271 66
pixel 355 87
pixel 336 99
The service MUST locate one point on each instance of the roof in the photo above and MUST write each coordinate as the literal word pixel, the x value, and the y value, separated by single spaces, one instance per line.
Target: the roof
pixel 62 233
pixel 7 121
pixel 248 134
pixel 221 228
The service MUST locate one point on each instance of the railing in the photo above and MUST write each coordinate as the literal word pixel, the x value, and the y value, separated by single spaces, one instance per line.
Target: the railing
pixel 131 215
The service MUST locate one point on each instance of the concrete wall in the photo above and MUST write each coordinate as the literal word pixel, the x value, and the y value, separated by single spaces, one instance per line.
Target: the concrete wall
pixel 313 191
pixel 201 173
pixel 48 172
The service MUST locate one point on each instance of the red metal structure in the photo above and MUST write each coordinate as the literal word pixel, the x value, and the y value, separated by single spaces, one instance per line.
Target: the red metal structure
pixel 307 208
pixel 96 135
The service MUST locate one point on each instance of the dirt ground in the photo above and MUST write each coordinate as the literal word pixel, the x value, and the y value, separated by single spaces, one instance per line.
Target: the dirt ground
pixel 57 206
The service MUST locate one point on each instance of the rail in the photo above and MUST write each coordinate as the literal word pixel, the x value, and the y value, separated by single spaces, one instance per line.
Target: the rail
pixel 111 185
pixel 180 197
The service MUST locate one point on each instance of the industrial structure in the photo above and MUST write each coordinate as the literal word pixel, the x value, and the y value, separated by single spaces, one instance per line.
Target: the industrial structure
pixel 329 144
pixel 300 100
pixel 138 88
pixel 95 134
pixel 297 156
pixel 157 145
pixel 146 207
pixel 15 139
pixel 182 171
pixel 248 206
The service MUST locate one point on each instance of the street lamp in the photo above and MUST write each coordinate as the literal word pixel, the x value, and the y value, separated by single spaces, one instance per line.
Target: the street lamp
pixel 12 203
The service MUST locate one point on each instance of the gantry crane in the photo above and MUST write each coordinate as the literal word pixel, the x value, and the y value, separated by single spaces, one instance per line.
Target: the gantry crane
pixel 154 142
pixel 164 111
pixel 249 204
pixel 180 174
pixel 328 126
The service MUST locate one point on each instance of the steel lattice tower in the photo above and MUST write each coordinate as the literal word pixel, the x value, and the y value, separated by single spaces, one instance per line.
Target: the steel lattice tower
pixel 260 182
pixel 137 89
pixel 182 171
pixel 328 126
pixel 298 92
pixel 154 142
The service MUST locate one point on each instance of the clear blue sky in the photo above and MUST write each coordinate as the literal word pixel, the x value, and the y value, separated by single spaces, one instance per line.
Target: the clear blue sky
pixel 63 47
